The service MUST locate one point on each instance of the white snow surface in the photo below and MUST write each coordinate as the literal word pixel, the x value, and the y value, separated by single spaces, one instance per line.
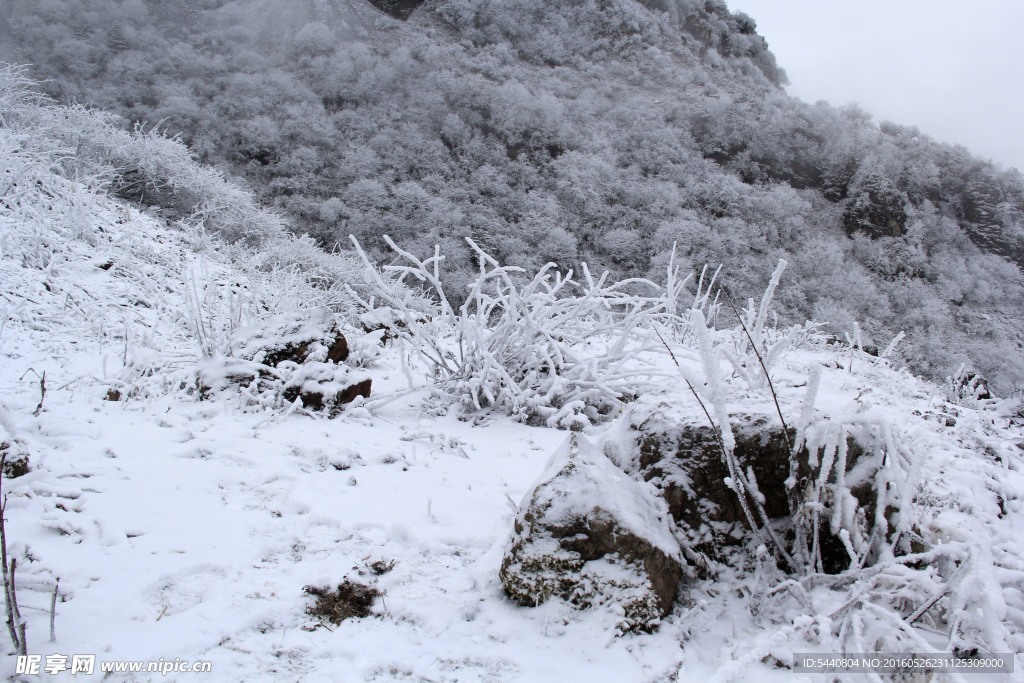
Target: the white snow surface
pixel 187 529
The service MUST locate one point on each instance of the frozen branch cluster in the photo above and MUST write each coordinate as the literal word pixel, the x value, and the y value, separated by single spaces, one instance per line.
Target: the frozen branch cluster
pixel 862 563
pixel 753 354
pixel 871 532
pixel 547 348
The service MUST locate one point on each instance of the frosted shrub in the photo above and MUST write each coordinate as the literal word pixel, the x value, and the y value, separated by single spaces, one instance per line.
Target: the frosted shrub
pixel 860 483
pixel 317 277
pixel 966 387
pixel 215 310
pixel 862 558
pixel 87 145
pixel 754 352
pixel 546 348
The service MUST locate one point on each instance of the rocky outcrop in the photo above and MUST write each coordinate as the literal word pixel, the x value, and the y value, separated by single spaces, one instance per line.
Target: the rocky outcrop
pixel 297 337
pixel 291 357
pixel 877 209
pixel 399 9
pixel 320 388
pixel 713 27
pixel 682 458
pixel 684 461
pixel 589 534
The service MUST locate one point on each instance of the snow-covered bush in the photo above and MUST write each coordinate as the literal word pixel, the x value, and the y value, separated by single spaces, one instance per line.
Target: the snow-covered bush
pixel 327 275
pixel 753 353
pixel 867 560
pixel 546 348
pixel 859 480
pixel 143 165
pixel 966 387
pixel 88 147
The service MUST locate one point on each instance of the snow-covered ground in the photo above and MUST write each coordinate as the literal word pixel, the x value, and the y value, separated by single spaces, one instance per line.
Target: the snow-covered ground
pixel 187 528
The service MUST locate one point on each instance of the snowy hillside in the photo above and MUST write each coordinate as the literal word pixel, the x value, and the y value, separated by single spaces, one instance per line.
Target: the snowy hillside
pixel 603 132
pixel 184 521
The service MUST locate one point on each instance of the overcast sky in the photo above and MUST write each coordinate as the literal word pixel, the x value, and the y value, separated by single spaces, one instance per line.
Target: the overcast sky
pixel 953 68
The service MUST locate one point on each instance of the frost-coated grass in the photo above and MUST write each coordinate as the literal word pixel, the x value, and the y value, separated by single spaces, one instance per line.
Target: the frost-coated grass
pixel 544 348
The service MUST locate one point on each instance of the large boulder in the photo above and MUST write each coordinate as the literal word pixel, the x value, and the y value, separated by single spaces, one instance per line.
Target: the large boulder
pixel 668 446
pixel 589 534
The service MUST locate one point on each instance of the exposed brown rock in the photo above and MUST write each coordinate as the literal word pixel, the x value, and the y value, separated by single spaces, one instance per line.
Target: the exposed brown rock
pixel 683 459
pixel 591 535
pixel 299 336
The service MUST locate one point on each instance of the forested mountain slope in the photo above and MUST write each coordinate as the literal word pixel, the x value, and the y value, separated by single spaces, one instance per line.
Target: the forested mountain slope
pixel 599 130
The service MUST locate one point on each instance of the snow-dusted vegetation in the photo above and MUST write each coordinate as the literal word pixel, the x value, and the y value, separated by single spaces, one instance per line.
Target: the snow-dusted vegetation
pixel 230 446
pixel 602 132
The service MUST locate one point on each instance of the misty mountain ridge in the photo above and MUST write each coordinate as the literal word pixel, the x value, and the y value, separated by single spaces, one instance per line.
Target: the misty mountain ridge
pixel 599 131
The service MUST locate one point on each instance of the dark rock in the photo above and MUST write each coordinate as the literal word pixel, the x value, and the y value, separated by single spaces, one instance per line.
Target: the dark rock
pixel 352 391
pixel 591 535
pixel 337 352
pixel 684 460
pixel 325 393
pixel 399 9
pixel 296 337
pixel 15 460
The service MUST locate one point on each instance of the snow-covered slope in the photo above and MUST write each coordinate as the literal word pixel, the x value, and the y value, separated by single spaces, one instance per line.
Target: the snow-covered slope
pixel 186 529
pixel 182 528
